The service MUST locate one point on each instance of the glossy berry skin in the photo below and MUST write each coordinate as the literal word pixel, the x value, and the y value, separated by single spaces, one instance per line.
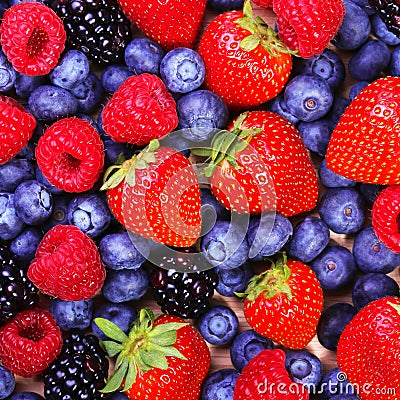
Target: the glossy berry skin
pixel 394 66
pixel 59 215
pixel 113 76
pixel 333 383
pixel 25 396
pixel 72 314
pixel 316 134
pixel 10 224
pixel 26 84
pixel 23 247
pixel 226 5
pixel 14 172
pixel 8 75
pixel 231 281
pixel 382 32
pixel 389 11
pixel 330 179
pixel 277 105
pixel 89 94
pixel 357 87
pixel 7 382
pixel 219 384
pixel 30 342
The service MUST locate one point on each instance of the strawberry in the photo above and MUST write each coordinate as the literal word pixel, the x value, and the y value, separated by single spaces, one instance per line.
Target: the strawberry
pixel 171 23
pixel 245 62
pixel 160 358
pixel 265 377
pixel 284 303
pixel 259 163
pixel 365 144
pixel 369 349
pixel 308 26
pixel 156 194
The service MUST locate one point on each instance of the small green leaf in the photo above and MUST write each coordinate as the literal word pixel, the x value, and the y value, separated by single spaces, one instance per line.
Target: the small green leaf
pixel 116 379
pixel 111 330
pixel 285 288
pixel 143 367
pixel 165 339
pixel 169 326
pixel 248 24
pixel 153 145
pixel 170 351
pixel 131 175
pixel 154 358
pixel 130 378
pixel 114 180
pixel 141 164
pixel 201 151
pixel 112 348
pixel 240 146
pixel 247 10
pixel 149 158
pixel 249 43
pixel 209 170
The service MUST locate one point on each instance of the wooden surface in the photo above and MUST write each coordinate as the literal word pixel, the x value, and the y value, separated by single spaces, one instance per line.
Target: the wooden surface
pixel 220 355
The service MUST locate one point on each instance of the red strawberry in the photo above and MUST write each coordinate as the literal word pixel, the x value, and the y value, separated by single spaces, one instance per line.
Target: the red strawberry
pixel 71 155
pixel 284 303
pixel 365 144
pixel 369 350
pixel 32 37
pixel 245 62
pixel 265 377
pixel 171 23
pixel 162 358
pixel 30 342
pixel 308 26
pixel 156 194
pixel 16 128
pixel 140 110
pixel 67 264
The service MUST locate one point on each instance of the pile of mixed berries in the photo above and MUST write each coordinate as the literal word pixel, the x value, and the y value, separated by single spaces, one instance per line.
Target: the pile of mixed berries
pixel 148 158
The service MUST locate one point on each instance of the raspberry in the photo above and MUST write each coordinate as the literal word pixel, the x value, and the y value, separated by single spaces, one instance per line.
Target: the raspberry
pixel 30 342
pixel 263 3
pixel 140 110
pixel 32 37
pixel 71 155
pixel 16 128
pixel 67 264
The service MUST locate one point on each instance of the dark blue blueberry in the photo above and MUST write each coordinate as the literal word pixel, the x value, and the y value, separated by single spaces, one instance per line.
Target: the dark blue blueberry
pixel 26 84
pixel 394 66
pixel 49 102
pixel 372 255
pixel 23 247
pixel 113 76
pixel 125 285
pixel 354 29
pixel 365 5
pixel 219 325
pixel 182 70
pixel 382 32
pixel 225 5
pixel 268 234
pixel 331 179
pixel 332 322
pixel 310 237
pixel 335 267
pixel 10 224
pixel 316 135
pixel 114 150
pixel 231 281
pixel 7 382
pixel 8 75
pixel 339 105
pixel 14 172
pixel 28 152
pixel 4 4
pixel 120 314
pixel 211 210
pixel 356 88
pixel 72 314
pixel 143 55
pixel 344 397
pixel 278 106
pixel 246 345
pixel 343 210
pixel 118 396
pixel 176 141
pixel 373 286
pixel 89 119
pixel 59 213
pixel 308 97
pixel 369 191
pixel 369 61
pixel 201 114
pixel 72 69
pixel 33 202
pixel 219 385
pixel 43 180
pixel 25 396
pixel 335 382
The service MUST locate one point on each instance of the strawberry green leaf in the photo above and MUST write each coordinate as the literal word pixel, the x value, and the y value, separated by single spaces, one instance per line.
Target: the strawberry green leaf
pixel 247 9
pixel 130 377
pixel 395 306
pixel 114 180
pixel 141 164
pixel 131 175
pixel 165 338
pixel 248 24
pixel 170 351
pixel 112 348
pixel 116 379
pixel 168 327
pixel 149 158
pixel 201 151
pixel 111 330
pixel 154 358
pixel 249 43
pixel 153 146
pixel 140 363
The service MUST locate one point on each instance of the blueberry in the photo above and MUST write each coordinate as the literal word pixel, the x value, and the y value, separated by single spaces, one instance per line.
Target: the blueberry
pixel 59 213
pixel 182 70
pixel 23 247
pixel 144 55
pixel 369 61
pixel 118 396
pixel 231 281
pixel 219 325
pixel 10 224
pixel 339 105
pixel 33 202
pixel 278 106
pixel 335 382
pixel 369 191
pixel 8 75
pixel 316 135
pixel 120 314
pixel 90 213
pixel 246 345
pixel 343 210
pixel 125 285
pixel 25 396
pixel 335 267
pixel 14 172
pixel 373 286
pixel 331 179
pixel 89 94
pixel 219 385
pixel 49 102
pixel 310 237
pixel 211 210
pixel 382 32
pixel 117 252
pixel 308 97
pixel 113 150
pixel 7 382
pixel 72 69
pixel 344 397
pixel 332 322
pixel 201 114
pixel 365 5
pixel 225 5
pixel 356 88
pixel 26 84
pixel 72 314
pixel 372 255
pixel 44 181
pixel 4 4
pixel 113 76
pixel 176 141
pixel 394 66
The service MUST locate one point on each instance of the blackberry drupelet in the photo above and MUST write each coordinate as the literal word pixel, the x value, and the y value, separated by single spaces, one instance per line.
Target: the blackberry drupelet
pixel 80 370
pixel 389 12
pixel 98 28
pixel 17 292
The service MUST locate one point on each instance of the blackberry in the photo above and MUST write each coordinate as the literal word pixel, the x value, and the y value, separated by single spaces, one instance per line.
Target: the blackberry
pixel 98 28
pixel 389 11
pixel 79 371
pixel 17 292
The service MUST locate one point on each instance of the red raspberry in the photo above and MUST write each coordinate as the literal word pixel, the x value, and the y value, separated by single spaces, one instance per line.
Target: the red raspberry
pixel 71 155
pixel 32 37
pixel 263 3
pixel 308 26
pixel 67 264
pixel 30 342
pixel 16 128
pixel 140 110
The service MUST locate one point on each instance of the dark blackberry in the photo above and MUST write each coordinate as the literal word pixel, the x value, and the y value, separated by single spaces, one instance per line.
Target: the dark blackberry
pixel 17 292
pixel 98 28
pixel 389 11
pixel 80 370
